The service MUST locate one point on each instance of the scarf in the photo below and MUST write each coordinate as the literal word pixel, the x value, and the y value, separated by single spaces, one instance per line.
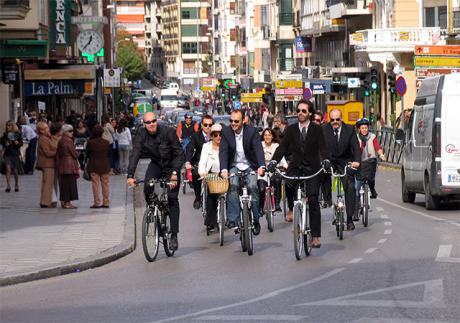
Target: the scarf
pixel 365 150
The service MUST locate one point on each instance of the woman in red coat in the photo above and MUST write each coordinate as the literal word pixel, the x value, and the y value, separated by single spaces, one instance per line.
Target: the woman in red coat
pixel 68 168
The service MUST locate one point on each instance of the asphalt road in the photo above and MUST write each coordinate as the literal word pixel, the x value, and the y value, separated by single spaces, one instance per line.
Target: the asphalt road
pixel 405 267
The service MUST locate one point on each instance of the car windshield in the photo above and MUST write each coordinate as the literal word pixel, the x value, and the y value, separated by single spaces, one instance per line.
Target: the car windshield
pixel 222 120
pixel 169 98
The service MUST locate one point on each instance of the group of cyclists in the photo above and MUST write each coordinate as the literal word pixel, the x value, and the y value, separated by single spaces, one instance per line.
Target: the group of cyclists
pixel 300 149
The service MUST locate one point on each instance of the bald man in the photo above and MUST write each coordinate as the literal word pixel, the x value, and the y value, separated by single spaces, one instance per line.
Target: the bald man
pixel 161 145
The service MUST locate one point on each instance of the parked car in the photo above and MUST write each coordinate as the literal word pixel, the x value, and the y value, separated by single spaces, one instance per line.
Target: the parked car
pixel 183 102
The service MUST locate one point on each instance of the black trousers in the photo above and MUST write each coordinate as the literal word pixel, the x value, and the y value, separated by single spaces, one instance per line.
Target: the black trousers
pixel 350 195
pixel 30 156
pixel 154 171
pixel 211 210
pixel 312 190
pixel 326 187
pixel 196 182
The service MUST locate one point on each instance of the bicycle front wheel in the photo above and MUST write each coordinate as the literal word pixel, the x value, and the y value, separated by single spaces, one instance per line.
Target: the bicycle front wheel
pixel 283 198
pixel 221 219
pixel 297 233
pixel 204 197
pixel 246 230
pixel 150 236
pixel 307 237
pixel 365 206
pixel 167 237
pixel 341 224
pixel 269 211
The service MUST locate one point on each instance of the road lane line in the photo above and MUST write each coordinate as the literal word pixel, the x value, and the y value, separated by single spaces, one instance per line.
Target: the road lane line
pixel 246 318
pixel 387 223
pixel 256 299
pixel 370 250
pixel 444 254
pixel 378 208
pixel 355 261
pixel 384 216
pixel 382 241
pixel 388 232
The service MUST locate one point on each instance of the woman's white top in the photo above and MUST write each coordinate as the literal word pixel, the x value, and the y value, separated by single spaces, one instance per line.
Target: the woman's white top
pixel 209 160
pixel 269 151
pixel 123 138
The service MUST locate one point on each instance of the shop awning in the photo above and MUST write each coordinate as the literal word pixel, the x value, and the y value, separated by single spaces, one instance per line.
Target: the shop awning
pixel 23 48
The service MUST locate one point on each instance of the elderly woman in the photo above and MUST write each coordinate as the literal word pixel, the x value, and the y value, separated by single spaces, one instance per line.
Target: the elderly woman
pixel 209 163
pixel 12 142
pixel 46 155
pixel 97 150
pixel 68 168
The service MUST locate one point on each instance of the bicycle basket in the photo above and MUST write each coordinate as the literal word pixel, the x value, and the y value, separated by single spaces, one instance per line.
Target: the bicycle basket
pixel 216 184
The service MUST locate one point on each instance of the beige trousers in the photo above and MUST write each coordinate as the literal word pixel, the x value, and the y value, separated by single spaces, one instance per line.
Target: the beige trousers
pixel 49 183
pixel 103 180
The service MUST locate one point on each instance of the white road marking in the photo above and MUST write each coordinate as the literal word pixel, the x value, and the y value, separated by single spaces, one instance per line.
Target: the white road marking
pixel 433 297
pixel 388 232
pixel 444 254
pixel 384 216
pixel 378 208
pixel 245 318
pixel 256 299
pixel 395 320
pixel 382 241
pixel 387 223
pixel 354 261
pixel 370 250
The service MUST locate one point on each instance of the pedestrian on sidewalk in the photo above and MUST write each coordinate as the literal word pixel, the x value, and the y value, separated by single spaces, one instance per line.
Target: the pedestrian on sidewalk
pixel 68 168
pixel 56 135
pixel 46 155
pixel 30 153
pixel 99 167
pixel 123 137
pixel 12 142
pixel 108 135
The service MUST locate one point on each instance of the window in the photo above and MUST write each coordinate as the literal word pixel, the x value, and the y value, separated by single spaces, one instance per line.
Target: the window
pixel 185 14
pixel 264 15
pixel 189 48
pixel 285 14
pixel 189 31
pixel 435 17
pixel 286 57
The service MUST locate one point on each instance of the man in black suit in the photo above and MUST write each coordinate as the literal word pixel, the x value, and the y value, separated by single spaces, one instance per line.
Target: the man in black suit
pixel 193 153
pixel 241 150
pixel 305 142
pixel 343 144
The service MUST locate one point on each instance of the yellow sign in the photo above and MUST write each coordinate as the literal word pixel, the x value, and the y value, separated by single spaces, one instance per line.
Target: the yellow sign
pixel 107 90
pixel 89 88
pixel 251 100
pixel 434 61
pixel 252 95
pixel 404 36
pixel 208 88
pixel 289 84
pixel 356 39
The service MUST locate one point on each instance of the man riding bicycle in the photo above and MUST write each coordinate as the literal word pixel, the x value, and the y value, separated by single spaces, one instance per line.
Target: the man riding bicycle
pixel 193 153
pixel 186 129
pixel 305 142
pixel 241 150
pixel 160 144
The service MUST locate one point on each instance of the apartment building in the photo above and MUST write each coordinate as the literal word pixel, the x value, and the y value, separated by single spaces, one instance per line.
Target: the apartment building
pixel 154 55
pixel 130 16
pixel 171 37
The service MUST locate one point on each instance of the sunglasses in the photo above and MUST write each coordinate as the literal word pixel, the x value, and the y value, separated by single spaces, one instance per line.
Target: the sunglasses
pixel 150 121
pixel 217 134
pixel 234 121
pixel 207 125
pixel 336 119
pixel 302 110
pixel 71 131
pixel 317 120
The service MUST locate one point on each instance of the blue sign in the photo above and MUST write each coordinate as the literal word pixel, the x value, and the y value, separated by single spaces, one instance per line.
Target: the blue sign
pixel 317 88
pixel 236 104
pixel 303 44
pixel 401 86
pixel 307 93
pixel 60 87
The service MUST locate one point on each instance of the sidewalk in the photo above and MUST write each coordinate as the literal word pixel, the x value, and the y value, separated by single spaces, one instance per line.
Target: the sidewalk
pixel 38 243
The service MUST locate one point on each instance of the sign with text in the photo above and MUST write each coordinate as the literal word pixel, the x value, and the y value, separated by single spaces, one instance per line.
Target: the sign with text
pixel 288 91
pixel 60 23
pixel 286 84
pixel 433 61
pixel 287 98
pixel 64 87
pixel 112 77
pixel 353 82
pixel 428 72
pixel 317 88
pixel 446 50
pixel 303 44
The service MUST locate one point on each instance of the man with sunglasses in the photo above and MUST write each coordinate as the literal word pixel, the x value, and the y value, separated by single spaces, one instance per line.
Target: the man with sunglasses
pixel 304 142
pixel 161 145
pixel 193 153
pixel 241 150
pixel 344 146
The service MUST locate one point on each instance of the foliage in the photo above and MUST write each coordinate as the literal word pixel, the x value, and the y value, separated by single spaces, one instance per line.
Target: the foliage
pixel 130 59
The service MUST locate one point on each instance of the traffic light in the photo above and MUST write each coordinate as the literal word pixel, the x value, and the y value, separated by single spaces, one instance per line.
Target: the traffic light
pixel 223 94
pixel 367 92
pixel 374 80
pixel 392 82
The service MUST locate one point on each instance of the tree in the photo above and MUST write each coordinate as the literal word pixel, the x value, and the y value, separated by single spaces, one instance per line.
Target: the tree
pixel 131 60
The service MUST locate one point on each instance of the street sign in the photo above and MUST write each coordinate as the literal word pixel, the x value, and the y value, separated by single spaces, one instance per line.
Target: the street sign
pixel 401 86
pixel 251 100
pixel 428 72
pixel 317 88
pixel 353 82
pixel 252 95
pixel 112 77
pixel 433 61
pixel 287 98
pixel 288 91
pixel 289 84
pixel 307 94
pixel 289 77
pixel 236 104
pixel 447 50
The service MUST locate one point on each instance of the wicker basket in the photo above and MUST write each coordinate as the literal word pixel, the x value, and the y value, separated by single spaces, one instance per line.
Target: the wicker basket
pixel 216 184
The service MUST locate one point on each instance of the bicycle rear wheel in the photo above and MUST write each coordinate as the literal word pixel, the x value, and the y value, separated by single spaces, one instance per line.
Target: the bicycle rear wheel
pixel 167 237
pixel 283 197
pixel 246 229
pixel 297 233
pixel 150 236
pixel 221 219
pixel 307 237
pixel 204 197
pixel 269 211
pixel 365 205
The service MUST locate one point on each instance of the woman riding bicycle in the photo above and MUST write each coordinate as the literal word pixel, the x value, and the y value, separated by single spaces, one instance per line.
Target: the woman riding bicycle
pixel 370 150
pixel 209 163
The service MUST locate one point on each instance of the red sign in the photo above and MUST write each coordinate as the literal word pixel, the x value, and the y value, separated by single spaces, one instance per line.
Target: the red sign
pixel 288 91
pixel 307 93
pixel 428 72
pixel 401 86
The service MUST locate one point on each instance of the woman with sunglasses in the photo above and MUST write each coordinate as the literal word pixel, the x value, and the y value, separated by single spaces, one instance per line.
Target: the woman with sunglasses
pixel 317 118
pixel 209 163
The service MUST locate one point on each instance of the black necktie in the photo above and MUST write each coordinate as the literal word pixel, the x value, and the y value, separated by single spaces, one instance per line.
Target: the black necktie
pixel 336 134
pixel 304 133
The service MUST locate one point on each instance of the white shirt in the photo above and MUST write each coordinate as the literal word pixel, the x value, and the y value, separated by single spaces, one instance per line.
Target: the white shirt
pixel 241 161
pixel 209 160
pixel 307 123
pixel 338 134
pixel 124 138
pixel 27 132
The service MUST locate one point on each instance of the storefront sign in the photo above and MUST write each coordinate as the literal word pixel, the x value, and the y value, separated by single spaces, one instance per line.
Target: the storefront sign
pixel 60 23
pixel 10 73
pixel 32 88
pixel 288 91
pixel 317 88
pixel 289 84
pixel 303 44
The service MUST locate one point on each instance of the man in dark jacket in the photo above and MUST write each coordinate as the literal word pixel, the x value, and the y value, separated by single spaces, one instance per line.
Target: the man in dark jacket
pixel 241 150
pixel 305 142
pixel 343 143
pixel 162 146
pixel 193 154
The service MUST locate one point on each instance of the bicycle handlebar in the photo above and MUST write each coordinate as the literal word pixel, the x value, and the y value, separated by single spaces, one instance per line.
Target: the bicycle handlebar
pixel 344 171
pixel 322 170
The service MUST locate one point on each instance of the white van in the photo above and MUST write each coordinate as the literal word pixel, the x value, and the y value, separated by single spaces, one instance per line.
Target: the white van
pixel 169 98
pixel 173 86
pixel 431 157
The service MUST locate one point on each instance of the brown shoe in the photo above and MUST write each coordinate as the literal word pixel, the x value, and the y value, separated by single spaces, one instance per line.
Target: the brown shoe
pixel 316 243
pixel 289 217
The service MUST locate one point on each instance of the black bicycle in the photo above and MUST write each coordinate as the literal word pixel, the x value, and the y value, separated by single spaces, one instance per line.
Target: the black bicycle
pixel 156 222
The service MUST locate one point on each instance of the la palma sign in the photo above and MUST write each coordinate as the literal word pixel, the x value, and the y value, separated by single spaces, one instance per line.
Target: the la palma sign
pixel 67 87
pixel 60 23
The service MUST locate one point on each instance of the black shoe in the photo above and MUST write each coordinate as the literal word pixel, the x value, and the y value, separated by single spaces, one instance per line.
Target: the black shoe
pixel 173 244
pixel 355 217
pixel 256 229
pixel 209 229
pixel 196 204
pixel 374 194
pixel 350 226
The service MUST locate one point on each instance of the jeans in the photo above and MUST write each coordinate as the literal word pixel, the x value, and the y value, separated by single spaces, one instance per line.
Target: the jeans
pixel 233 201
pixel 123 154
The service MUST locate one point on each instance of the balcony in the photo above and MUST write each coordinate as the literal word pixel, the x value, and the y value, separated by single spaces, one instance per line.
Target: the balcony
pixel 14 9
pixel 339 9
pixel 159 28
pixel 395 40
pixel 158 12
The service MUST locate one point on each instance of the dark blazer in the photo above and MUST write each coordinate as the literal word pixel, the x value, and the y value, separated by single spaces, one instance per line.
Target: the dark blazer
pixel 98 156
pixel 67 157
pixel 193 152
pixel 347 150
pixel 251 143
pixel 304 153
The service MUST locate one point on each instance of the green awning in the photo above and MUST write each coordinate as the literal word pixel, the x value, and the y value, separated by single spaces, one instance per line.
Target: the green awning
pixel 23 48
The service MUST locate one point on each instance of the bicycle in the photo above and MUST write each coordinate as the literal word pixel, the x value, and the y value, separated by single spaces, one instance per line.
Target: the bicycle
pixel 364 202
pixel 339 206
pixel 184 180
pixel 204 197
pixel 301 223
pixel 156 222
pixel 221 216
pixel 269 204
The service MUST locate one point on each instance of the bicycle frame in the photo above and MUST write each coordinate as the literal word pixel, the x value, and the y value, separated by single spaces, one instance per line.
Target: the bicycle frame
pixel 270 189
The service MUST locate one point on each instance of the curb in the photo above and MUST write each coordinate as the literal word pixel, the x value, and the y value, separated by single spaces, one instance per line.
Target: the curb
pixel 390 165
pixel 124 248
